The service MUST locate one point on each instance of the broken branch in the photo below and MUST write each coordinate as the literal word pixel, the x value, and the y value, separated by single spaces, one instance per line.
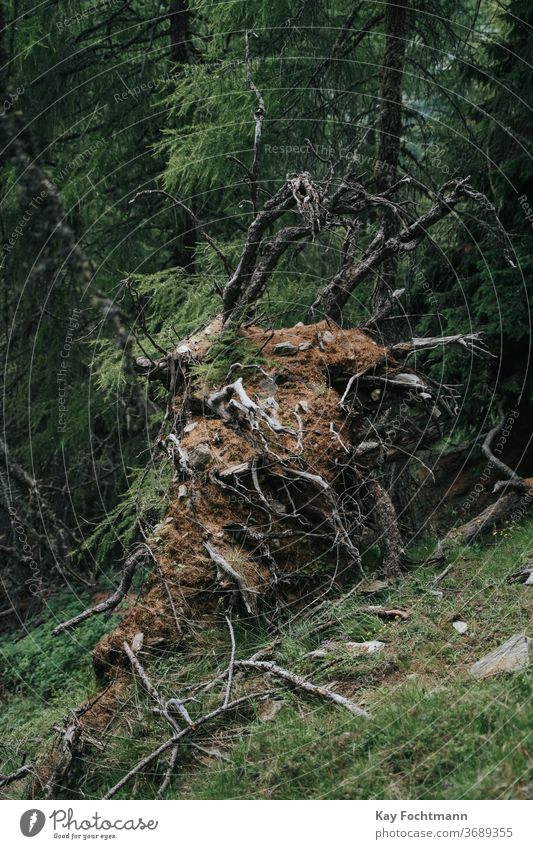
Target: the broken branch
pixel 130 567
pixel 300 683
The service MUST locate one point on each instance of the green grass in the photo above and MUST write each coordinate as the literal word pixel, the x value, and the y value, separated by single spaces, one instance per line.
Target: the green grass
pixel 43 677
pixel 435 733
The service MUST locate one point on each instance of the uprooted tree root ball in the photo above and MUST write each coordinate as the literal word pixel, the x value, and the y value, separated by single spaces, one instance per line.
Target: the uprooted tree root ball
pixel 279 440
pixel 276 492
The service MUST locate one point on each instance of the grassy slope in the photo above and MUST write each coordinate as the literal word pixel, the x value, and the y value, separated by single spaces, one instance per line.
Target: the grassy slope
pixel 436 732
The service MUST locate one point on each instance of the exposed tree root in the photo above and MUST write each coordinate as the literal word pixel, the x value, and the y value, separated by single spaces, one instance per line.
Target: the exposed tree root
pixel 278 465
pixel 131 564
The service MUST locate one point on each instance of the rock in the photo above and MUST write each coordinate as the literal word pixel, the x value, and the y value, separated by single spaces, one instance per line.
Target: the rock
pixel 285 349
pixel 305 346
pixel 199 456
pixel 302 406
pixel 183 491
pixel 268 384
pixel 523 576
pixel 460 627
pixel 269 709
pixel 327 336
pixel 511 656
pixel 369 587
pixel 190 427
pixel 137 642
pixel 355 649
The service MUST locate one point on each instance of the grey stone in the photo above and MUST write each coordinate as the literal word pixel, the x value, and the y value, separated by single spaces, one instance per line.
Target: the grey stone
pixel 511 656
pixel 199 456
pixel 285 349
pixel 356 649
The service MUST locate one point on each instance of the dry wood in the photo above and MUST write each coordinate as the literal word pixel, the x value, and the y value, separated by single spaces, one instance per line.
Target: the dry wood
pixel 300 683
pixel 259 116
pixel 21 772
pixel 524 575
pixel 334 296
pixel 489 518
pixel 185 732
pixel 227 694
pixel 502 467
pixel 131 565
pixel 165 709
pixel 69 741
pixel 222 564
pixel 470 341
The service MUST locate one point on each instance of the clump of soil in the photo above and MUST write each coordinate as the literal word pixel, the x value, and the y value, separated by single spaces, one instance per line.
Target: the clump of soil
pixel 211 505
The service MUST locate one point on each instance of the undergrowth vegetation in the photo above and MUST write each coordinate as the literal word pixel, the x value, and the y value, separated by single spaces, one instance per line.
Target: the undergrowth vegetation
pixel 435 732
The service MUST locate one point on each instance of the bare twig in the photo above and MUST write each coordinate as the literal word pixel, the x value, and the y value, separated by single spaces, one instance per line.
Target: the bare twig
pixel 231 664
pixel 495 461
pixel 259 116
pixel 222 564
pixel 176 738
pixel 15 776
pixel 300 683
pixel 69 741
pixel 130 567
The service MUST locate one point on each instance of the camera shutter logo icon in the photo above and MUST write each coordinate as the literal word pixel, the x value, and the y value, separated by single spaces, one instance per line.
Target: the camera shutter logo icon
pixel 32 822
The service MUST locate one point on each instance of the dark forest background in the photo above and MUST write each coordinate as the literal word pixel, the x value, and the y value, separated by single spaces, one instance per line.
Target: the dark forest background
pixel 103 100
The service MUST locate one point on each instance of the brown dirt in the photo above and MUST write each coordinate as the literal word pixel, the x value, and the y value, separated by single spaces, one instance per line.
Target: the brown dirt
pixel 178 542
pixel 185 581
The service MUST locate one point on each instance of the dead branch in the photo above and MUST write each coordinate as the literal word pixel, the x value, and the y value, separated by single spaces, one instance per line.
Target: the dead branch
pixel 172 741
pixel 259 116
pixel 470 341
pixel 222 564
pixel 141 553
pixel 384 612
pixel 389 539
pixel 334 296
pixel 231 664
pixel 489 518
pixel 272 210
pixel 69 742
pixel 269 668
pixel 165 709
pixel 508 473
pixel 21 772
pixel 524 575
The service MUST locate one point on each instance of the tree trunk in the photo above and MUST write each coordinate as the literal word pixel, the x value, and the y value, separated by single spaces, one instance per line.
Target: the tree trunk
pixel 390 132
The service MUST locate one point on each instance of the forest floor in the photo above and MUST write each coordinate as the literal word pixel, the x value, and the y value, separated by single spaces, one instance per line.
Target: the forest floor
pixel 436 732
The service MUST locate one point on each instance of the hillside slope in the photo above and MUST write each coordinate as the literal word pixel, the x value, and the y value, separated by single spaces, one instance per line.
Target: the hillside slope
pixel 436 732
